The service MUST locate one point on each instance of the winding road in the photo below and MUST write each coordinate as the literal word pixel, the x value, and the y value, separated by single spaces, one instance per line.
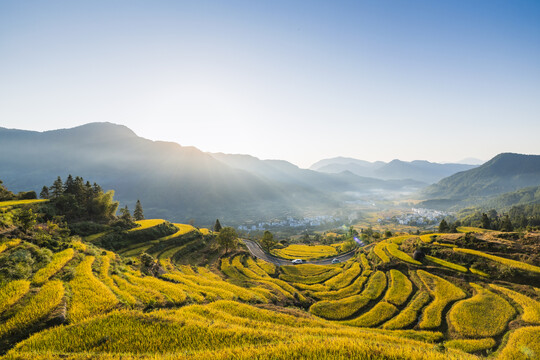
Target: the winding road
pixel 256 250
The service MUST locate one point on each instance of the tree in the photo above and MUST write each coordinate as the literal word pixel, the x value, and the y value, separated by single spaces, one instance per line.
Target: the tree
pixel 44 194
pixel 443 226
pixel 506 224
pixel 125 214
pixel 217 226
pixel 486 223
pixel 267 241
pixel 138 212
pixel 25 219
pixel 227 238
pixel 57 188
pixel 5 194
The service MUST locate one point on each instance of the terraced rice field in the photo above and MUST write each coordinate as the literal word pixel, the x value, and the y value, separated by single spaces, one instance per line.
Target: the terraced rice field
pixel 306 252
pixel 246 308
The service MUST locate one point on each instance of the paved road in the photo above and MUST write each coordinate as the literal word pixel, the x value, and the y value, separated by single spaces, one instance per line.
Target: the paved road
pixel 257 251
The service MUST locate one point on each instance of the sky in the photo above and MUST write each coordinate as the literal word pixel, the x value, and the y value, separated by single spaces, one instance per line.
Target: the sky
pixel 293 80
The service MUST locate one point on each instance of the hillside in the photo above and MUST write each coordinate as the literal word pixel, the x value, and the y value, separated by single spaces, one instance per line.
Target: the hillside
pixel 418 170
pixel 174 181
pixel 504 173
pixel 469 297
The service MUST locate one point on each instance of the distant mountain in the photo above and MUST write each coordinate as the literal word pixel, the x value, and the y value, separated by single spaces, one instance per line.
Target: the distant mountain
pixel 174 181
pixel 471 161
pixel 504 173
pixel 418 170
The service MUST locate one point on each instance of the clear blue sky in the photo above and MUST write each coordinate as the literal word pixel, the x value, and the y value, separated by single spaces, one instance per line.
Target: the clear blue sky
pixel 293 80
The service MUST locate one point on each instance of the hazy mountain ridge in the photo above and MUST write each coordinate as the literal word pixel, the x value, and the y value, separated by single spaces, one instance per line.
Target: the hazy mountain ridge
pixel 504 173
pixel 171 180
pixel 419 170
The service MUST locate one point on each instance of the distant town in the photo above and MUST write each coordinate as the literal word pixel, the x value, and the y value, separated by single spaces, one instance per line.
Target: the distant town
pixel 416 217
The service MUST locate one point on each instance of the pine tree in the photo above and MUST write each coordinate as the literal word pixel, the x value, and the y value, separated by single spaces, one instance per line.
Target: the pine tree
pixel 57 188
pixel 217 226
pixel 138 212
pixel 44 194
pixel 267 241
pixel 443 226
pixel 125 214
pixel 486 223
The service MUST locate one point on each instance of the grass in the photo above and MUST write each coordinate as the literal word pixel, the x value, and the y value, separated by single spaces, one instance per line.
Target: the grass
pixel 381 312
pixel 42 304
pixel 443 292
pixel 483 315
pixel 12 292
pixel 408 315
pixel 306 252
pixel 530 307
pixel 85 286
pixel 509 262
pixel 145 224
pixel 399 289
pixel 471 345
pixel 58 261
pixel 446 264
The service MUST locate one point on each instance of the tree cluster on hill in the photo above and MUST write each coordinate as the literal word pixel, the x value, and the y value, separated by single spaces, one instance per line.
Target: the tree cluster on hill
pixel 519 217
pixel 6 195
pixel 78 200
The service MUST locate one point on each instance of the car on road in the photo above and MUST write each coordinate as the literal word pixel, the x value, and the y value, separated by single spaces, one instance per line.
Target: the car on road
pixel 297 261
pixel 335 261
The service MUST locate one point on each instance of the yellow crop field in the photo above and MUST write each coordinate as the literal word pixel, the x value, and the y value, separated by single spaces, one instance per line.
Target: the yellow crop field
pixel 173 293
pixel 12 292
pixel 531 307
pixel 124 296
pixel 466 229
pixel 471 345
pixel 379 251
pixel 145 224
pixel 21 202
pixel 483 315
pixel 344 278
pixel 444 244
pixel 226 330
pixel 306 252
pixel 447 264
pixel 205 231
pixel 375 285
pixel 393 249
pixel 381 312
pixel 299 273
pixel 523 344
pixel 9 244
pixel 269 268
pixel 86 286
pixel 350 290
pixel 339 309
pixel 399 239
pixel 443 292
pixel 509 262
pixel 408 315
pixel 58 261
pixel 399 289
pixel 478 272
pixel 254 266
pixel 39 306
pixel 144 294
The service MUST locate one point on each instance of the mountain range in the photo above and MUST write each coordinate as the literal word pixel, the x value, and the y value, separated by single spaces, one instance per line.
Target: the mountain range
pixel 181 182
pixel 418 170
pixel 174 181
